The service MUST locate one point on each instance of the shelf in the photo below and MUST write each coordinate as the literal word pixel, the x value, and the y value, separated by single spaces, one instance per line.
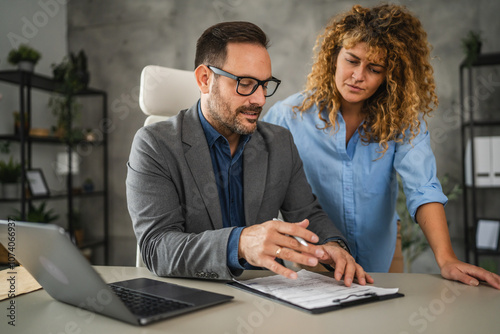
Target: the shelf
pixel 483 59
pixel 485 188
pixel 92 244
pixel 50 140
pixel 486 252
pixel 482 123
pixel 472 209
pixel 40 82
pixel 55 196
pixel 26 82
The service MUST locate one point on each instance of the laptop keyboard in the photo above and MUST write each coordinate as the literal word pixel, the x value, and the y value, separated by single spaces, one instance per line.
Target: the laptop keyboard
pixel 145 305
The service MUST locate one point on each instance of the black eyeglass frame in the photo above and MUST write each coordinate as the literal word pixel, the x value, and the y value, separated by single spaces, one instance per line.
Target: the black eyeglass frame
pixel 218 71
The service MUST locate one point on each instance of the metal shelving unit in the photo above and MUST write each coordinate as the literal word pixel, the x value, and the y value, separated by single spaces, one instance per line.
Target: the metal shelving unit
pixel 26 82
pixel 470 125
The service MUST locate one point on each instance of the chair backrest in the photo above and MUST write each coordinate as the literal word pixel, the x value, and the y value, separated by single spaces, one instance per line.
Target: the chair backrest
pixel 165 91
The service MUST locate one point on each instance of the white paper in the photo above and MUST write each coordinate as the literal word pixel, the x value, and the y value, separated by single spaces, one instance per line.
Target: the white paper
pixel 312 290
pixel 487 234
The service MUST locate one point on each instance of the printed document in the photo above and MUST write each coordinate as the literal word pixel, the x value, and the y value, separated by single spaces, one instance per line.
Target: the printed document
pixel 312 290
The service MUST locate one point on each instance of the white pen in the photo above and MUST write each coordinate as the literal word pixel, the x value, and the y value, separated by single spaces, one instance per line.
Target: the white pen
pixel 299 239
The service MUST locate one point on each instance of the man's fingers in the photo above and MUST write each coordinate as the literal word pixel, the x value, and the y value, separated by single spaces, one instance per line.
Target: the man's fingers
pixel 349 271
pixel 297 229
pixel 339 268
pixel 261 244
pixel 362 277
pixel 345 266
pixel 277 268
pixel 369 278
pixel 292 243
pixel 293 256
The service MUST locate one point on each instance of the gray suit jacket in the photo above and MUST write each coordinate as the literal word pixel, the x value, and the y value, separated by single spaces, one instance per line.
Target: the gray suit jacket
pixel 174 204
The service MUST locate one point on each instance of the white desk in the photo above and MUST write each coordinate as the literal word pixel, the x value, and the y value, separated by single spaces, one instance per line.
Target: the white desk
pixel 431 305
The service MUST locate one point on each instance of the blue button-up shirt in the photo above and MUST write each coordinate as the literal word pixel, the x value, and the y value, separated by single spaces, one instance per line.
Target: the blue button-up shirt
pixel 355 185
pixel 229 178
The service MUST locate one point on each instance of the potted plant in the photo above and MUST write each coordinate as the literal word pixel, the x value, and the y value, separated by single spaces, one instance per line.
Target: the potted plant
pixel 17 123
pixel 25 57
pixel 10 174
pixel 72 74
pixel 88 185
pixel 38 214
pixel 66 109
pixel 471 45
pixel 71 77
pixel 77 225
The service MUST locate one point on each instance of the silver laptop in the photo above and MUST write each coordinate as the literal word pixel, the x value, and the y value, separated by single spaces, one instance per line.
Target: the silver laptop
pixel 54 261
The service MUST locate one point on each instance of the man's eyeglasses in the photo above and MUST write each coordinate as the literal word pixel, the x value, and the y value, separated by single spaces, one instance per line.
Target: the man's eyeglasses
pixel 247 85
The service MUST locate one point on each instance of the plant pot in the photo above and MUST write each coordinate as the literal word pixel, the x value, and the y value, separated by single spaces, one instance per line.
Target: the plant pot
pixel 479 47
pixel 17 123
pixel 17 128
pixel 11 190
pixel 83 77
pixel 79 235
pixel 26 66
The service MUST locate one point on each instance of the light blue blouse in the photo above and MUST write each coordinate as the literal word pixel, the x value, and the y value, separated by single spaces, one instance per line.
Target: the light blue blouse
pixel 355 185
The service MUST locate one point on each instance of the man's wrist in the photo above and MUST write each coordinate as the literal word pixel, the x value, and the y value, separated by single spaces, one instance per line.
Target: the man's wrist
pixel 341 244
pixel 233 260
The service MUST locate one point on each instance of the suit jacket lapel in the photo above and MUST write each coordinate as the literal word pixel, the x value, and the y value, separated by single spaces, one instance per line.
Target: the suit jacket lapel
pixel 199 162
pixel 255 159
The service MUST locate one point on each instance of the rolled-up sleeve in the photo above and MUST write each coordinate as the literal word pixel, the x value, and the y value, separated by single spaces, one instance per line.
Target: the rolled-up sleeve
pixel 416 164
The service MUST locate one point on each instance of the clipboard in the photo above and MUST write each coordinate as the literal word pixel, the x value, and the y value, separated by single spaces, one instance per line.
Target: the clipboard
pixel 337 305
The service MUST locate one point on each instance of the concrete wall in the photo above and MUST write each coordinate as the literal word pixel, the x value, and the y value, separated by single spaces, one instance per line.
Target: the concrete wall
pixel 121 37
pixel 43 26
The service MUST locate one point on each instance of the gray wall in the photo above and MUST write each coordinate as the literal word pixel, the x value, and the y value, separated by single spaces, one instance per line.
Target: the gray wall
pixel 42 25
pixel 121 37
pixel 43 28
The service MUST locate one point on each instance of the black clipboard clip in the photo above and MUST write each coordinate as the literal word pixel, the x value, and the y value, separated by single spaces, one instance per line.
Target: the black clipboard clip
pixel 362 298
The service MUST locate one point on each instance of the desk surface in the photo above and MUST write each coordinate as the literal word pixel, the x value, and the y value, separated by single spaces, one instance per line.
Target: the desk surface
pixel 431 305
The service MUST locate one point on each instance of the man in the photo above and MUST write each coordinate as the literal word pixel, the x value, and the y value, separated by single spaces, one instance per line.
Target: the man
pixel 204 186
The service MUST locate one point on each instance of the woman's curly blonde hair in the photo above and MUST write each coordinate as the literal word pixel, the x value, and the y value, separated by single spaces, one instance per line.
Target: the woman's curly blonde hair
pixel 408 89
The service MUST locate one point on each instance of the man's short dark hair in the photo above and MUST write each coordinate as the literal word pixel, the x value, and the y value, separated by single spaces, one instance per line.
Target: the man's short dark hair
pixel 211 47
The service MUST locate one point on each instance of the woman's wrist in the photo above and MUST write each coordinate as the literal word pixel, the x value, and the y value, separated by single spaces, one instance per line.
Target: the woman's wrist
pixel 444 257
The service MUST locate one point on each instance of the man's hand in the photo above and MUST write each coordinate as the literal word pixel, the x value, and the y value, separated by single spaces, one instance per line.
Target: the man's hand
pixel 261 244
pixel 468 274
pixel 344 264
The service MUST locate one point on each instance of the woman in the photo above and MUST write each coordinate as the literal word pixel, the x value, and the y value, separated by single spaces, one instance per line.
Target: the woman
pixel 361 120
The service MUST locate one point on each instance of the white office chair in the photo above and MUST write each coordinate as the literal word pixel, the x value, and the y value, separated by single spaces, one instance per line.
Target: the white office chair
pixel 163 93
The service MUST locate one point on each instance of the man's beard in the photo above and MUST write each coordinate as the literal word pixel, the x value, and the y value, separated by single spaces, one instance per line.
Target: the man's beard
pixel 228 121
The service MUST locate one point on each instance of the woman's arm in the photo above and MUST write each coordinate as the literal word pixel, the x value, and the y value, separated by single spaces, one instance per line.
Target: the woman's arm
pixel 432 220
